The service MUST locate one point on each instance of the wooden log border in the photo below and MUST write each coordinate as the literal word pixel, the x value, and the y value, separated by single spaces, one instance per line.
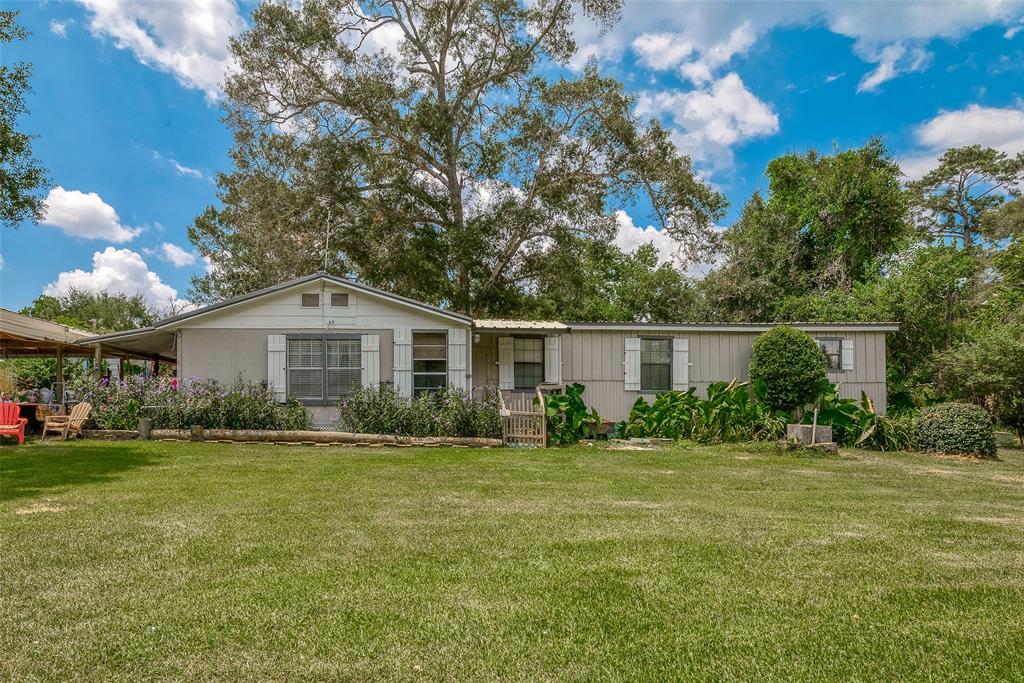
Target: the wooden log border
pixel 314 438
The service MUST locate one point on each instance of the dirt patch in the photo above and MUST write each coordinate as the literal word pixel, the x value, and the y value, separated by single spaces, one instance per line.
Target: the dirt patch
pixel 39 507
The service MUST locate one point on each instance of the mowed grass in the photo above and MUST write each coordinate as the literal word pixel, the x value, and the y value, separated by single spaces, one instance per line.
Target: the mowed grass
pixel 204 562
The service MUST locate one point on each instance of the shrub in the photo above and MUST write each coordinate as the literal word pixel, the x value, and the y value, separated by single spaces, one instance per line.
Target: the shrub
pixel 955 428
pixel 729 413
pixel 790 364
pixel 855 423
pixel 178 405
pixel 568 418
pixel 446 413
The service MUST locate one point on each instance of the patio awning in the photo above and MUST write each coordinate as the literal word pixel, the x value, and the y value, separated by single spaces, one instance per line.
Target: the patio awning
pixel 22 335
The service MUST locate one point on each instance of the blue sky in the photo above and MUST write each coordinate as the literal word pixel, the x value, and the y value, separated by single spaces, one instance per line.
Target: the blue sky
pixel 125 104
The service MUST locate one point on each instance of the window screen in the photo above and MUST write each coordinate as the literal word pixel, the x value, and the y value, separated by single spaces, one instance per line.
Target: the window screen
pixel 339 300
pixel 429 362
pixel 529 362
pixel 306 369
pixel 344 367
pixel 655 364
pixel 833 350
pixel 311 301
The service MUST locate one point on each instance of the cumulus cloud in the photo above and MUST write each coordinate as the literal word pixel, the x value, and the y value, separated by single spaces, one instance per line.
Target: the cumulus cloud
pixel 86 216
pixel 120 271
pixel 631 237
pixel 708 121
pixel 701 37
pixel 172 253
pixel 186 38
pixel 1001 128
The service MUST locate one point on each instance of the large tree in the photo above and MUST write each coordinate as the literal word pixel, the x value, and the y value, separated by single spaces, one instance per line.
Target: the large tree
pixel 22 178
pixel 443 138
pixel 961 198
pixel 103 311
pixel 827 222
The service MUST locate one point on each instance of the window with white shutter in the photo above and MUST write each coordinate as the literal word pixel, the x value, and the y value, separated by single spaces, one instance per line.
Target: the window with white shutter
pixel 321 369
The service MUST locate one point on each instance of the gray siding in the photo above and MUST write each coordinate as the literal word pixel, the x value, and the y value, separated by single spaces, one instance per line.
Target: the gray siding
pixel 595 358
pixel 224 354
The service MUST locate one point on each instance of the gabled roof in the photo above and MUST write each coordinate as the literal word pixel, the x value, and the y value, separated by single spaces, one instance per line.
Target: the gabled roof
pixel 175 320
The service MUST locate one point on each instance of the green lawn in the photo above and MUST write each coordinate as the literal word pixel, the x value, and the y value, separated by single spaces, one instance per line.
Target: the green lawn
pixel 174 561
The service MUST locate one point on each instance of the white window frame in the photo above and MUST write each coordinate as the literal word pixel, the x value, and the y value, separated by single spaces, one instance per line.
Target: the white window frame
pixel 325 399
pixel 650 389
pixel 839 353
pixel 344 294
pixel 429 390
pixel 543 367
pixel 302 299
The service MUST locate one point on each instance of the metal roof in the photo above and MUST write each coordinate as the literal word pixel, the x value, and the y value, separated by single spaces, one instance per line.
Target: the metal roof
pixel 519 325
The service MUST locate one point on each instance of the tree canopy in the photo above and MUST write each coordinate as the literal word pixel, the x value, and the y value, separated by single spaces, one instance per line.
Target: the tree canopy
pixel 86 310
pixel 22 178
pixel 443 140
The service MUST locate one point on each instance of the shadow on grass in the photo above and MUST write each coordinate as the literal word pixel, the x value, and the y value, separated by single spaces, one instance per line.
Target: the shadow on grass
pixel 31 471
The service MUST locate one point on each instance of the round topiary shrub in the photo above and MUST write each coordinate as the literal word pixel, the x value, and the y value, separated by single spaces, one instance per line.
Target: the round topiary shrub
pixel 955 428
pixel 791 365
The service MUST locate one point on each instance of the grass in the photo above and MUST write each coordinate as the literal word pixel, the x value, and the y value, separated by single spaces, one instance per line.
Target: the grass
pixel 176 561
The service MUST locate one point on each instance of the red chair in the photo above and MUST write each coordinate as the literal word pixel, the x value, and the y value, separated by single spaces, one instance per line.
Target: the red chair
pixel 11 422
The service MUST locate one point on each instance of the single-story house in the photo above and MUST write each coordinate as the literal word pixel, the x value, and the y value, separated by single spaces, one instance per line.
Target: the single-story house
pixel 320 337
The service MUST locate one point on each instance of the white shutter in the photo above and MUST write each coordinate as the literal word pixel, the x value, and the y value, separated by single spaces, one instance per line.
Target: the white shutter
pixel 553 360
pixel 632 364
pixel 680 364
pixel 403 361
pixel 506 363
pixel 277 346
pixel 369 351
pixel 457 359
pixel 847 358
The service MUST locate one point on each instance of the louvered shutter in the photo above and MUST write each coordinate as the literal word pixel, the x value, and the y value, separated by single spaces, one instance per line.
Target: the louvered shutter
pixel 553 360
pixel 403 361
pixel 457 359
pixel 276 349
pixel 369 349
pixel 506 363
pixel 680 364
pixel 631 364
pixel 847 358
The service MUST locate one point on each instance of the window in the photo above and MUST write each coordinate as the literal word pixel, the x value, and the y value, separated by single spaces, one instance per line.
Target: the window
pixel 322 369
pixel 429 362
pixel 339 300
pixel 311 301
pixel 528 354
pixel 655 364
pixel 344 368
pixel 306 369
pixel 832 347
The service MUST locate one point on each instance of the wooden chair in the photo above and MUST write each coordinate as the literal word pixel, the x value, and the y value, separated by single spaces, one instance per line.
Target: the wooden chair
pixel 67 424
pixel 11 421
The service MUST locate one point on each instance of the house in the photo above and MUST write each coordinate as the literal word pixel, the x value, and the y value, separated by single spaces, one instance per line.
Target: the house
pixel 319 338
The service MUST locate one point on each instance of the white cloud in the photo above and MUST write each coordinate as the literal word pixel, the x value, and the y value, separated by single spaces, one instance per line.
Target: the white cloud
pixel 708 121
pixel 834 77
pixel 172 253
pixel 59 28
pixel 86 216
pixel 893 60
pixel 186 38
pixel 179 168
pixel 631 237
pixel 999 128
pixel 717 32
pixel 119 271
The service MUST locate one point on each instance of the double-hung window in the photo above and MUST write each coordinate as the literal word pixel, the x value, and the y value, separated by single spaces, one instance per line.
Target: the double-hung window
pixel 323 368
pixel 832 347
pixel 429 362
pixel 655 364
pixel 528 353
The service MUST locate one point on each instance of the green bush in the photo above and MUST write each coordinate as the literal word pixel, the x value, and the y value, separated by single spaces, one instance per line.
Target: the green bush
pixel 955 428
pixel 729 413
pixel 855 423
pixel 568 418
pixel 791 366
pixel 446 413
pixel 173 404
